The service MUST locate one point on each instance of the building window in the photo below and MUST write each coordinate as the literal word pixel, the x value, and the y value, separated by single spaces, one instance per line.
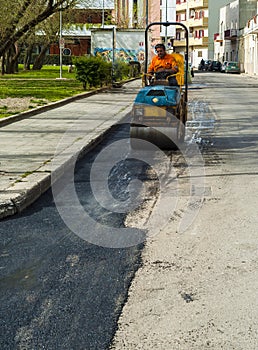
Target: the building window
pixel 183 17
pixel 178 36
pixel 201 33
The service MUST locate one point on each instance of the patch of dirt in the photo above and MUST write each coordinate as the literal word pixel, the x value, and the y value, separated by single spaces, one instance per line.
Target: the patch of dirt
pixel 16 104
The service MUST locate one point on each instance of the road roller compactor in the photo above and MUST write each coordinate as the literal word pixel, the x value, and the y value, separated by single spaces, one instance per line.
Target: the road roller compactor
pixel 159 111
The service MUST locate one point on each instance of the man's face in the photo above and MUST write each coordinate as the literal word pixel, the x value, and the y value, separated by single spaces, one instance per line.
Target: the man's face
pixel 160 52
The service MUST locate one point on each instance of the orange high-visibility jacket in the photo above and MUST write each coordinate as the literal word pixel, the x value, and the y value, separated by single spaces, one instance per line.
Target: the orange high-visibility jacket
pixel 167 62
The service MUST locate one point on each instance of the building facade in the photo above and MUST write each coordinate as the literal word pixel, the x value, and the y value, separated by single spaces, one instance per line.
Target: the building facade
pixel 249 41
pixel 226 41
pixel 139 13
pixel 233 42
pixel 194 14
pixel 201 19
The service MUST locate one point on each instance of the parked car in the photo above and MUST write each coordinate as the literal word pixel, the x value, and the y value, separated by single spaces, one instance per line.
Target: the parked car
pixel 223 66
pixel 215 66
pixel 232 67
pixel 205 66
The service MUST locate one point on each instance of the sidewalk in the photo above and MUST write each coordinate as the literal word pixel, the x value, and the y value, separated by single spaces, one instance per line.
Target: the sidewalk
pixel 30 141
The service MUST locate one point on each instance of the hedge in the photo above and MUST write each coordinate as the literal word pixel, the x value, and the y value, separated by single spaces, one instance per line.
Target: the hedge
pixel 94 71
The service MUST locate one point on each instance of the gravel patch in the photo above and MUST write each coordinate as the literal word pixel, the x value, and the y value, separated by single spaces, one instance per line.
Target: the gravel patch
pixel 16 104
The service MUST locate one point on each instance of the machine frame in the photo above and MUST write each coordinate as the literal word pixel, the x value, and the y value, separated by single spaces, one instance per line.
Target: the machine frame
pixel 160 111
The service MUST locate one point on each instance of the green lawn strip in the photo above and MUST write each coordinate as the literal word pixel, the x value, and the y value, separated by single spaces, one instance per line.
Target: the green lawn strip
pixel 52 90
pixel 47 72
pixel 40 86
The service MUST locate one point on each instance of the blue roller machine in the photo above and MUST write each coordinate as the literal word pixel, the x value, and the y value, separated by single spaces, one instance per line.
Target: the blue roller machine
pixel 160 111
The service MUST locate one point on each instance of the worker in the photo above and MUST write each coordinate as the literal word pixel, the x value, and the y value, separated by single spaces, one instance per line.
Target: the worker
pixel 163 65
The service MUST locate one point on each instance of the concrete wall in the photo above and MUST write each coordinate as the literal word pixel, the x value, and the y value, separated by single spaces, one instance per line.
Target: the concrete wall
pixel 247 9
pixel 249 45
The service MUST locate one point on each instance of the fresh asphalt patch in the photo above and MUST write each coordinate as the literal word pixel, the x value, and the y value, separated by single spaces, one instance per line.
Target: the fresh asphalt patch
pixel 57 290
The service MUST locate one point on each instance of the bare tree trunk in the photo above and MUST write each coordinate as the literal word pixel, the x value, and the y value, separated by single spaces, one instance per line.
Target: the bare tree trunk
pixel 27 57
pixel 3 64
pixel 38 63
pixel 10 60
pixel 14 59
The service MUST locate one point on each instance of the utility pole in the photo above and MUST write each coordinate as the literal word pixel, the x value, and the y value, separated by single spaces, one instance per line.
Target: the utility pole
pixel 113 53
pixel 166 28
pixel 61 44
pixel 103 13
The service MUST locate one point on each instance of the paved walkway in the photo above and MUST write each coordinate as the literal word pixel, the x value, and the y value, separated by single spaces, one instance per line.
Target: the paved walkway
pixel 30 142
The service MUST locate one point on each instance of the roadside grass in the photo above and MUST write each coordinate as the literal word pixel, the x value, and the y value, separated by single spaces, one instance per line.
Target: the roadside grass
pixel 47 72
pixel 40 86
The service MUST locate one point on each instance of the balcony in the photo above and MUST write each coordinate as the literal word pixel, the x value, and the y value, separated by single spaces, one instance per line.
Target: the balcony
pixel 230 34
pixel 217 39
pixel 201 22
pixel 181 6
pixel 252 25
pixel 194 41
pixel 194 4
pixel 180 43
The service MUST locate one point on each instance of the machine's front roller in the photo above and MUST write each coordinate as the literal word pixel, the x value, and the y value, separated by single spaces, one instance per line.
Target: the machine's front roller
pixel 166 138
pixel 163 137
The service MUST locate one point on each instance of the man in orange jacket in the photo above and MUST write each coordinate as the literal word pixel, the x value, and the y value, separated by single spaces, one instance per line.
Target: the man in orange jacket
pixel 163 65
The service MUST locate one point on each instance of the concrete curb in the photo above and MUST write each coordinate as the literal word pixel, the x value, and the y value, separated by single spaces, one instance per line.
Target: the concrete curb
pixel 38 110
pixel 23 193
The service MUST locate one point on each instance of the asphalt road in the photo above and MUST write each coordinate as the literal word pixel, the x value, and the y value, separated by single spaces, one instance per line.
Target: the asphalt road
pixel 197 289
pixel 58 291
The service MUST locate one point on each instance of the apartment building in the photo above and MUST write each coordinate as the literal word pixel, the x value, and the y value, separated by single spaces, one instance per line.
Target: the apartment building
pixel 140 13
pixel 201 19
pixel 236 39
pixel 249 44
pixel 194 14
pixel 226 46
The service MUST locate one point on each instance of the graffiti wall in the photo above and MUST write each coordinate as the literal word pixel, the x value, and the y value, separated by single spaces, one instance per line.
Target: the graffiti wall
pixel 128 44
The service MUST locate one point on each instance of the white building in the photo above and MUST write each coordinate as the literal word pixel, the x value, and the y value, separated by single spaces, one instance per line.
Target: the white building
pixel 226 42
pixel 250 44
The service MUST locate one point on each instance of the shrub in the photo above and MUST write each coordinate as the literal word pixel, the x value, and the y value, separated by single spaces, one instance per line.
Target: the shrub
pixel 121 71
pixel 92 71
pixel 95 71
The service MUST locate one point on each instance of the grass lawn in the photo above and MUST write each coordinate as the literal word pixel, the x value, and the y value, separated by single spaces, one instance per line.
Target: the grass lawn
pixel 40 87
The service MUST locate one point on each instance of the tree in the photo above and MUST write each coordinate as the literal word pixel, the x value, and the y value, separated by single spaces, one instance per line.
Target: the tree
pixel 19 17
pixel 49 30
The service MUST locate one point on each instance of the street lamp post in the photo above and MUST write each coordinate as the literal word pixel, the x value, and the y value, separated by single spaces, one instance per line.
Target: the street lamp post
pixel 103 13
pixel 166 28
pixel 61 45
